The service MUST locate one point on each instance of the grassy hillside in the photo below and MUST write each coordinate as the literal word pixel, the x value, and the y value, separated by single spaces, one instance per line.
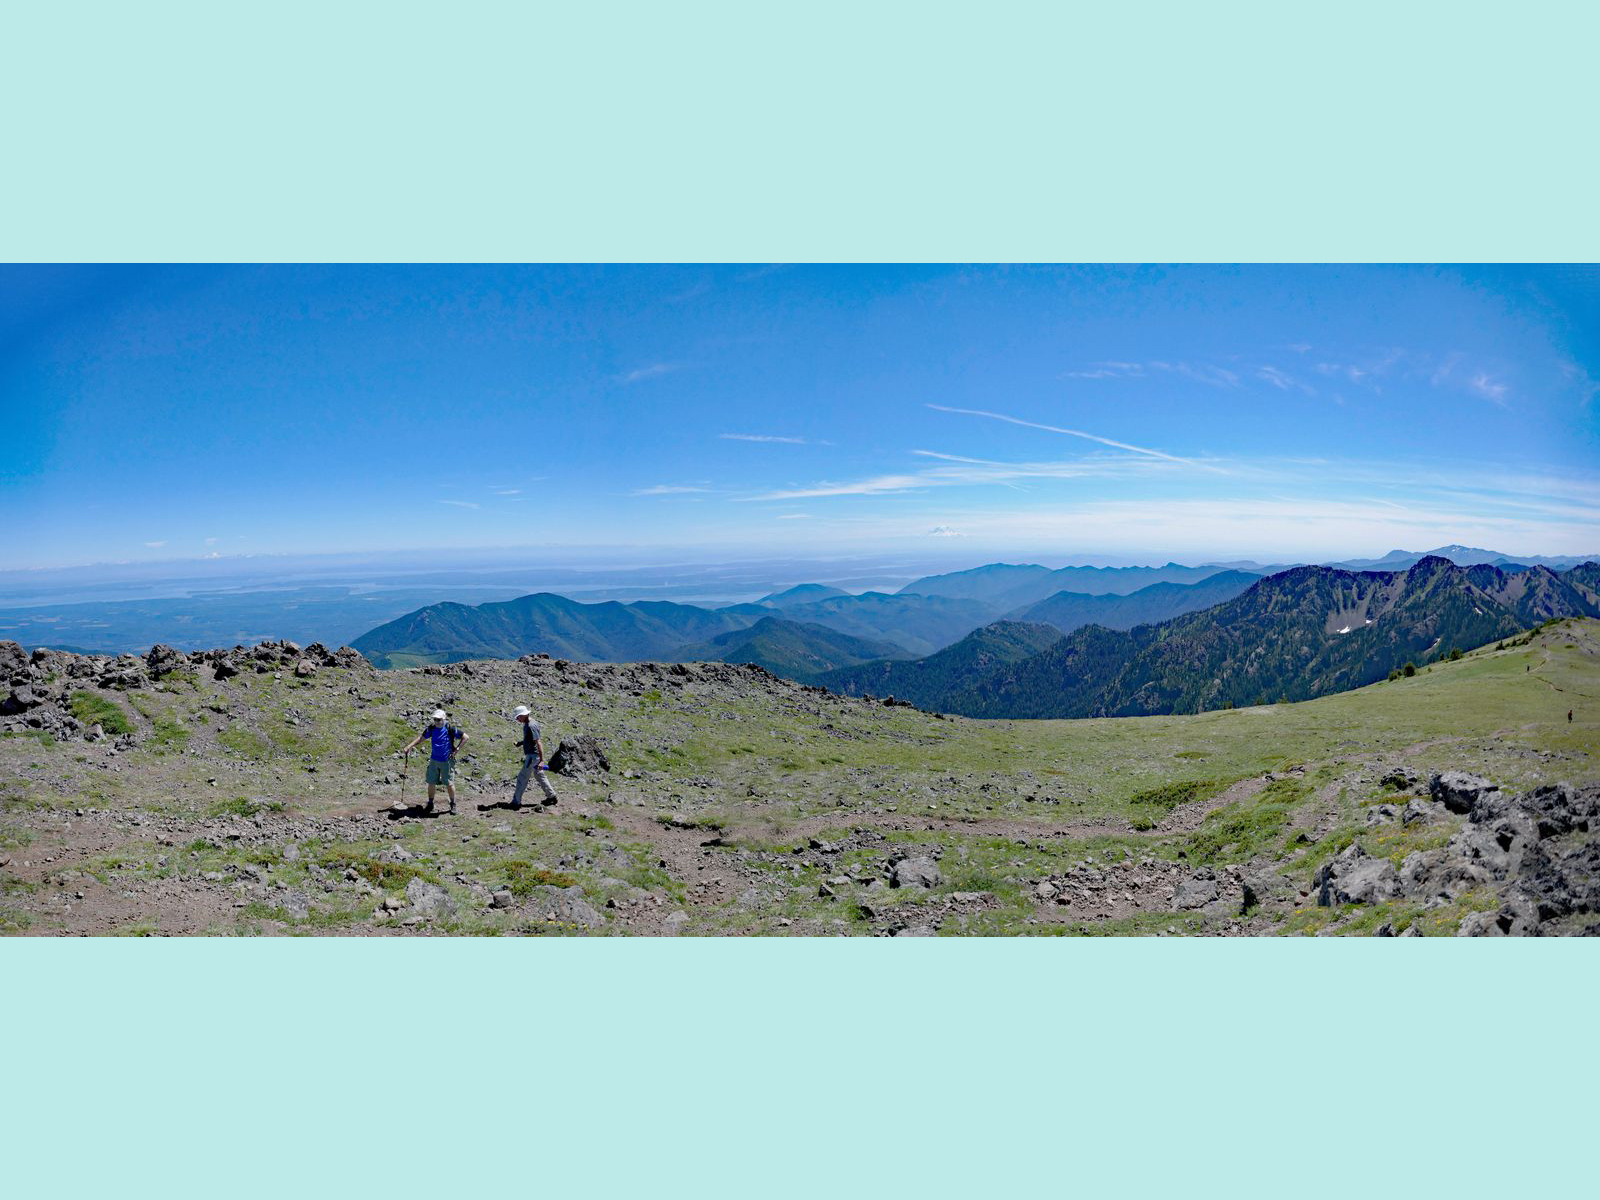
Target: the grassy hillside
pixel 261 804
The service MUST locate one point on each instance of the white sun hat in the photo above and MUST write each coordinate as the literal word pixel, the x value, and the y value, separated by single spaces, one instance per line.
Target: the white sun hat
pixel 438 714
pixel 522 711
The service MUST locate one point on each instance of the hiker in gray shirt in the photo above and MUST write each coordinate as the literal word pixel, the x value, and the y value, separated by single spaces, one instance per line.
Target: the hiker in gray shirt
pixel 532 758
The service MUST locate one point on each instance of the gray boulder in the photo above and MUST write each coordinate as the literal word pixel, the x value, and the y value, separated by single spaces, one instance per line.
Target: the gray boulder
pixel 13 661
pixel 124 671
pixel 1196 892
pixel 1354 877
pixel 20 700
pixel 430 899
pixel 583 755
pixel 1458 791
pixel 921 872
pixel 164 660
pixel 566 905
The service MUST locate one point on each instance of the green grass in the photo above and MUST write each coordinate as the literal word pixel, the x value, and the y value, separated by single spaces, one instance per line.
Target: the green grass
pixel 243 743
pixel 91 709
pixel 522 877
pixel 242 806
pixel 1239 831
pixel 380 874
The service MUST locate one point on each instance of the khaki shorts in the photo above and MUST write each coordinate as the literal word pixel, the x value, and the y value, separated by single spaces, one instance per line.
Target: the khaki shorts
pixel 439 772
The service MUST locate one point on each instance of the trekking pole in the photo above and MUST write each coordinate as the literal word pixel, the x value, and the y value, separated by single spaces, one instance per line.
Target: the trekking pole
pixel 405 769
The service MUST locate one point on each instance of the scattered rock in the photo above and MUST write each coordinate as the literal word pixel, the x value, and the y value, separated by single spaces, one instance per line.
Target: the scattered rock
pixel 501 899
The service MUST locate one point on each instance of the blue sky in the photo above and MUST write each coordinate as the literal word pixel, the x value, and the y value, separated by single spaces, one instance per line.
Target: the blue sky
pixel 1140 413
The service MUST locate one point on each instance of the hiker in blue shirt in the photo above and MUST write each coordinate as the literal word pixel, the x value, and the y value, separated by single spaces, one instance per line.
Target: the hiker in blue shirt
pixel 446 740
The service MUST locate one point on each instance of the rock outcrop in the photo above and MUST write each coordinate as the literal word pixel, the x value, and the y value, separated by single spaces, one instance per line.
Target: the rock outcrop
pixel 1534 857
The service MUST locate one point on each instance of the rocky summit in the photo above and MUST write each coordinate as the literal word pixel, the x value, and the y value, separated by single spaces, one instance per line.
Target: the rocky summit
pixel 260 790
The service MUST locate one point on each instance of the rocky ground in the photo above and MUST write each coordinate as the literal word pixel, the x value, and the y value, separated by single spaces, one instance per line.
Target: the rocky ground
pixel 257 791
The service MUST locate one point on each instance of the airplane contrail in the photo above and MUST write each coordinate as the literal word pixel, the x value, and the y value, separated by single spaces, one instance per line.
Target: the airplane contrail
pixel 993 416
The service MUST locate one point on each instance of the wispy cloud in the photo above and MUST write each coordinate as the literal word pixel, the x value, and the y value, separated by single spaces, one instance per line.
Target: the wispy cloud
pixel 155 545
pixel 1284 381
pixel 1207 373
pixel 794 516
pixel 508 491
pixel 958 470
pixel 653 371
pixel 668 489
pixel 944 531
pixel 459 503
pixel 1588 387
pixel 1489 389
pixel 1078 433
pixel 762 437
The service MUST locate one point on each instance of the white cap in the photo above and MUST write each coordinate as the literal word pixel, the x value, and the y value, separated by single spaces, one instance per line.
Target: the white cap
pixel 522 710
pixel 438 714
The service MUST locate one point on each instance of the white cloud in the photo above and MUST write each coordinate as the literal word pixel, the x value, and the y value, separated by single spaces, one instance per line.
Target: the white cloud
pixel 508 491
pixel 794 516
pixel 1207 373
pixel 1283 381
pixel 155 545
pixel 971 471
pixel 877 485
pixel 653 371
pixel 211 541
pixel 1161 454
pixel 459 503
pixel 1489 389
pixel 762 437
pixel 944 531
pixel 667 489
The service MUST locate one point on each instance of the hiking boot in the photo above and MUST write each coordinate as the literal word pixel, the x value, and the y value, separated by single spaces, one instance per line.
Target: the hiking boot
pixel 516 805
pixel 429 809
pixel 549 800
pixel 452 811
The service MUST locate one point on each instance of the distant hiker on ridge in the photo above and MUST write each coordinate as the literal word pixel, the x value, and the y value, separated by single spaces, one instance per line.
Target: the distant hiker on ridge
pixel 446 740
pixel 532 758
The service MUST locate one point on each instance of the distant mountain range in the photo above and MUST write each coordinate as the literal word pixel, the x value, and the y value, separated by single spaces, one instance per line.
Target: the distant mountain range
pixel 1462 556
pixel 1008 640
pixel 1010 587
pixel 903 624
pixel 1295 635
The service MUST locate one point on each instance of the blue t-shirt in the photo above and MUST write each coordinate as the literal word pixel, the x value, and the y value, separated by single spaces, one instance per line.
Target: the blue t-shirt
pixel 441 736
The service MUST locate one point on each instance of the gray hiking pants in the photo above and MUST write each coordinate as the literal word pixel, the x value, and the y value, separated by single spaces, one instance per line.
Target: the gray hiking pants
pixel 530 769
